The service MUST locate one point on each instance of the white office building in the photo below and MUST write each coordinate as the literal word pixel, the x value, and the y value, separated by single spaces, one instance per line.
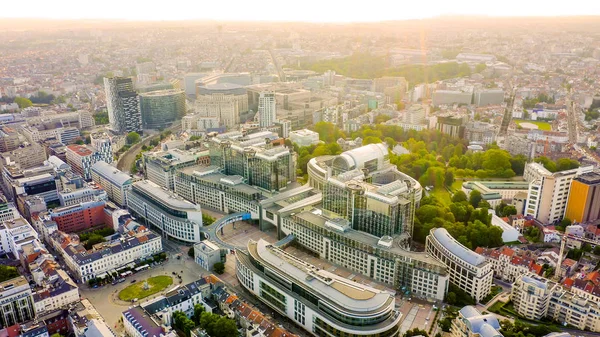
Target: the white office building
pixel 304 137
pixel 164 211
pixel 267 109
pixel 14 234
pixel 320 302
pixel 207 253
pixel 468 270
pixel 114 182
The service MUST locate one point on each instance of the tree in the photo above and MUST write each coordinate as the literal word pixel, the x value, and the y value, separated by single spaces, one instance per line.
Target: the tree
pixel 56 335
pixel 7 273
pixel 459 196
pixel 207 322
pixel 194 138
pixel 198 311
pixel 597 250
pixel 225 327
pixel 448 178
pixel 23 102
pixel 475 197
pixel 79 141
pixel 415 332
pixel 133 138
pixel 219 268
pixel 207 220
pixel 92 240
pixel 451 298
pixel 509 210
pixel 191 252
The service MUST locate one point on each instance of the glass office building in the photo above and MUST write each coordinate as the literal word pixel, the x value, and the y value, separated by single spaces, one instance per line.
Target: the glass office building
pixel 263 165
pixel 161 108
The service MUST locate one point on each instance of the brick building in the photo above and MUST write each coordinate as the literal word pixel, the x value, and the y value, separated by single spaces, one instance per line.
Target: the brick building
pixel 76 218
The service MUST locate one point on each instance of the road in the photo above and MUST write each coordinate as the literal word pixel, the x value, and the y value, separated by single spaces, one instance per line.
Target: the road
pixel 126 161
pixel 277 66
pixel 508 113
pixel 571 121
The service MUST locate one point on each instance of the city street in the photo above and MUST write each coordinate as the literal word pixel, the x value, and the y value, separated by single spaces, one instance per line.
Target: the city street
pixel 102 298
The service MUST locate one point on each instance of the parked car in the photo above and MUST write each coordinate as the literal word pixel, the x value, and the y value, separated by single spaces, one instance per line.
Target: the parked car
pixel 132 281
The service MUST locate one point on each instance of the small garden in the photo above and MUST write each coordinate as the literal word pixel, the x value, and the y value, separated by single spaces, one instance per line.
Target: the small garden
pixel 138 290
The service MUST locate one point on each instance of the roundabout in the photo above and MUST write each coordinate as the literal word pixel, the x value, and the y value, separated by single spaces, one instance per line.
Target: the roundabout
pixel 145 288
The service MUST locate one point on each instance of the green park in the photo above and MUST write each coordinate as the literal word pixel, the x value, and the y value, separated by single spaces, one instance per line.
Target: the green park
pixel 145 288
pixel 541 125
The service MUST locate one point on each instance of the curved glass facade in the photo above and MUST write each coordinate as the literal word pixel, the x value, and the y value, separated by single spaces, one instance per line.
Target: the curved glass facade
pixel 161 108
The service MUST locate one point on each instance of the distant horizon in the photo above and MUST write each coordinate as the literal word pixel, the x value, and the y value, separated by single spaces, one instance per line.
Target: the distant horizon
pixel 201 20
pixel 308 11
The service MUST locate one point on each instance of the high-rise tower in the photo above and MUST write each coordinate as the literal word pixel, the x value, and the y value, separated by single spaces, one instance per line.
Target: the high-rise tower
pixel 266 109
pixel 123 105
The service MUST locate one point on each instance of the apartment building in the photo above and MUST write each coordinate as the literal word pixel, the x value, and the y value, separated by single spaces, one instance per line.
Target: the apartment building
pixel 468 270
pixel 9 139
pixel 81 158
pixel 472 323
pixel 508 264
pixel 539 297
pixel 25 156
pixel 102 143
pixel 14 234
pixel 59 291
pixel 119 251
pixel 320 302
pixel 531 296
pixel 16 302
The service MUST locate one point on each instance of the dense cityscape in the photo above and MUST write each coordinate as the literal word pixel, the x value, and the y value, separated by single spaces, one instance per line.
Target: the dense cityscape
pixel 436 177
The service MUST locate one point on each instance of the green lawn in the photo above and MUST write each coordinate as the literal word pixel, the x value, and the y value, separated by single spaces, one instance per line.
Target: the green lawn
pixel 442 195
pixel 541 125
pixel 156 284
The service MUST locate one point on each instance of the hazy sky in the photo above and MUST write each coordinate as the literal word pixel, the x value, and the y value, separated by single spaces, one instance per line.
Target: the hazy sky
pixel 290 10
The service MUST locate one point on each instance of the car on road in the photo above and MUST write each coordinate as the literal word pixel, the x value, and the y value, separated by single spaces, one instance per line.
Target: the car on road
pixel 132 281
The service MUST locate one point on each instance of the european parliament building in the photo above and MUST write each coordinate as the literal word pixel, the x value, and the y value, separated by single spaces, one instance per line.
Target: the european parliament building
pixel 253 157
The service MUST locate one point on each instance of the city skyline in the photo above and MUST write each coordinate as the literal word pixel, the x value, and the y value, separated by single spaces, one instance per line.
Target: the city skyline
pixel 308 11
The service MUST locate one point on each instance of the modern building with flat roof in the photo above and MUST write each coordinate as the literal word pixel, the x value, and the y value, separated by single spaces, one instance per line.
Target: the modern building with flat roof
pixel 304 137
pixel 584 198
pixel 362 186
pixel 255 158
pixel 16 302
pixel 206 185
pixel 161 167
pixel 169 213
pixel 161 108
pixel 320 302
pixel 505 189
pixel 381 258
pixel 548 192
pixel 468 270
pixel 114 182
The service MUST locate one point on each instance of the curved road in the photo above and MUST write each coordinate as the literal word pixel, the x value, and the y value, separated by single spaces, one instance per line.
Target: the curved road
pixel 124 163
